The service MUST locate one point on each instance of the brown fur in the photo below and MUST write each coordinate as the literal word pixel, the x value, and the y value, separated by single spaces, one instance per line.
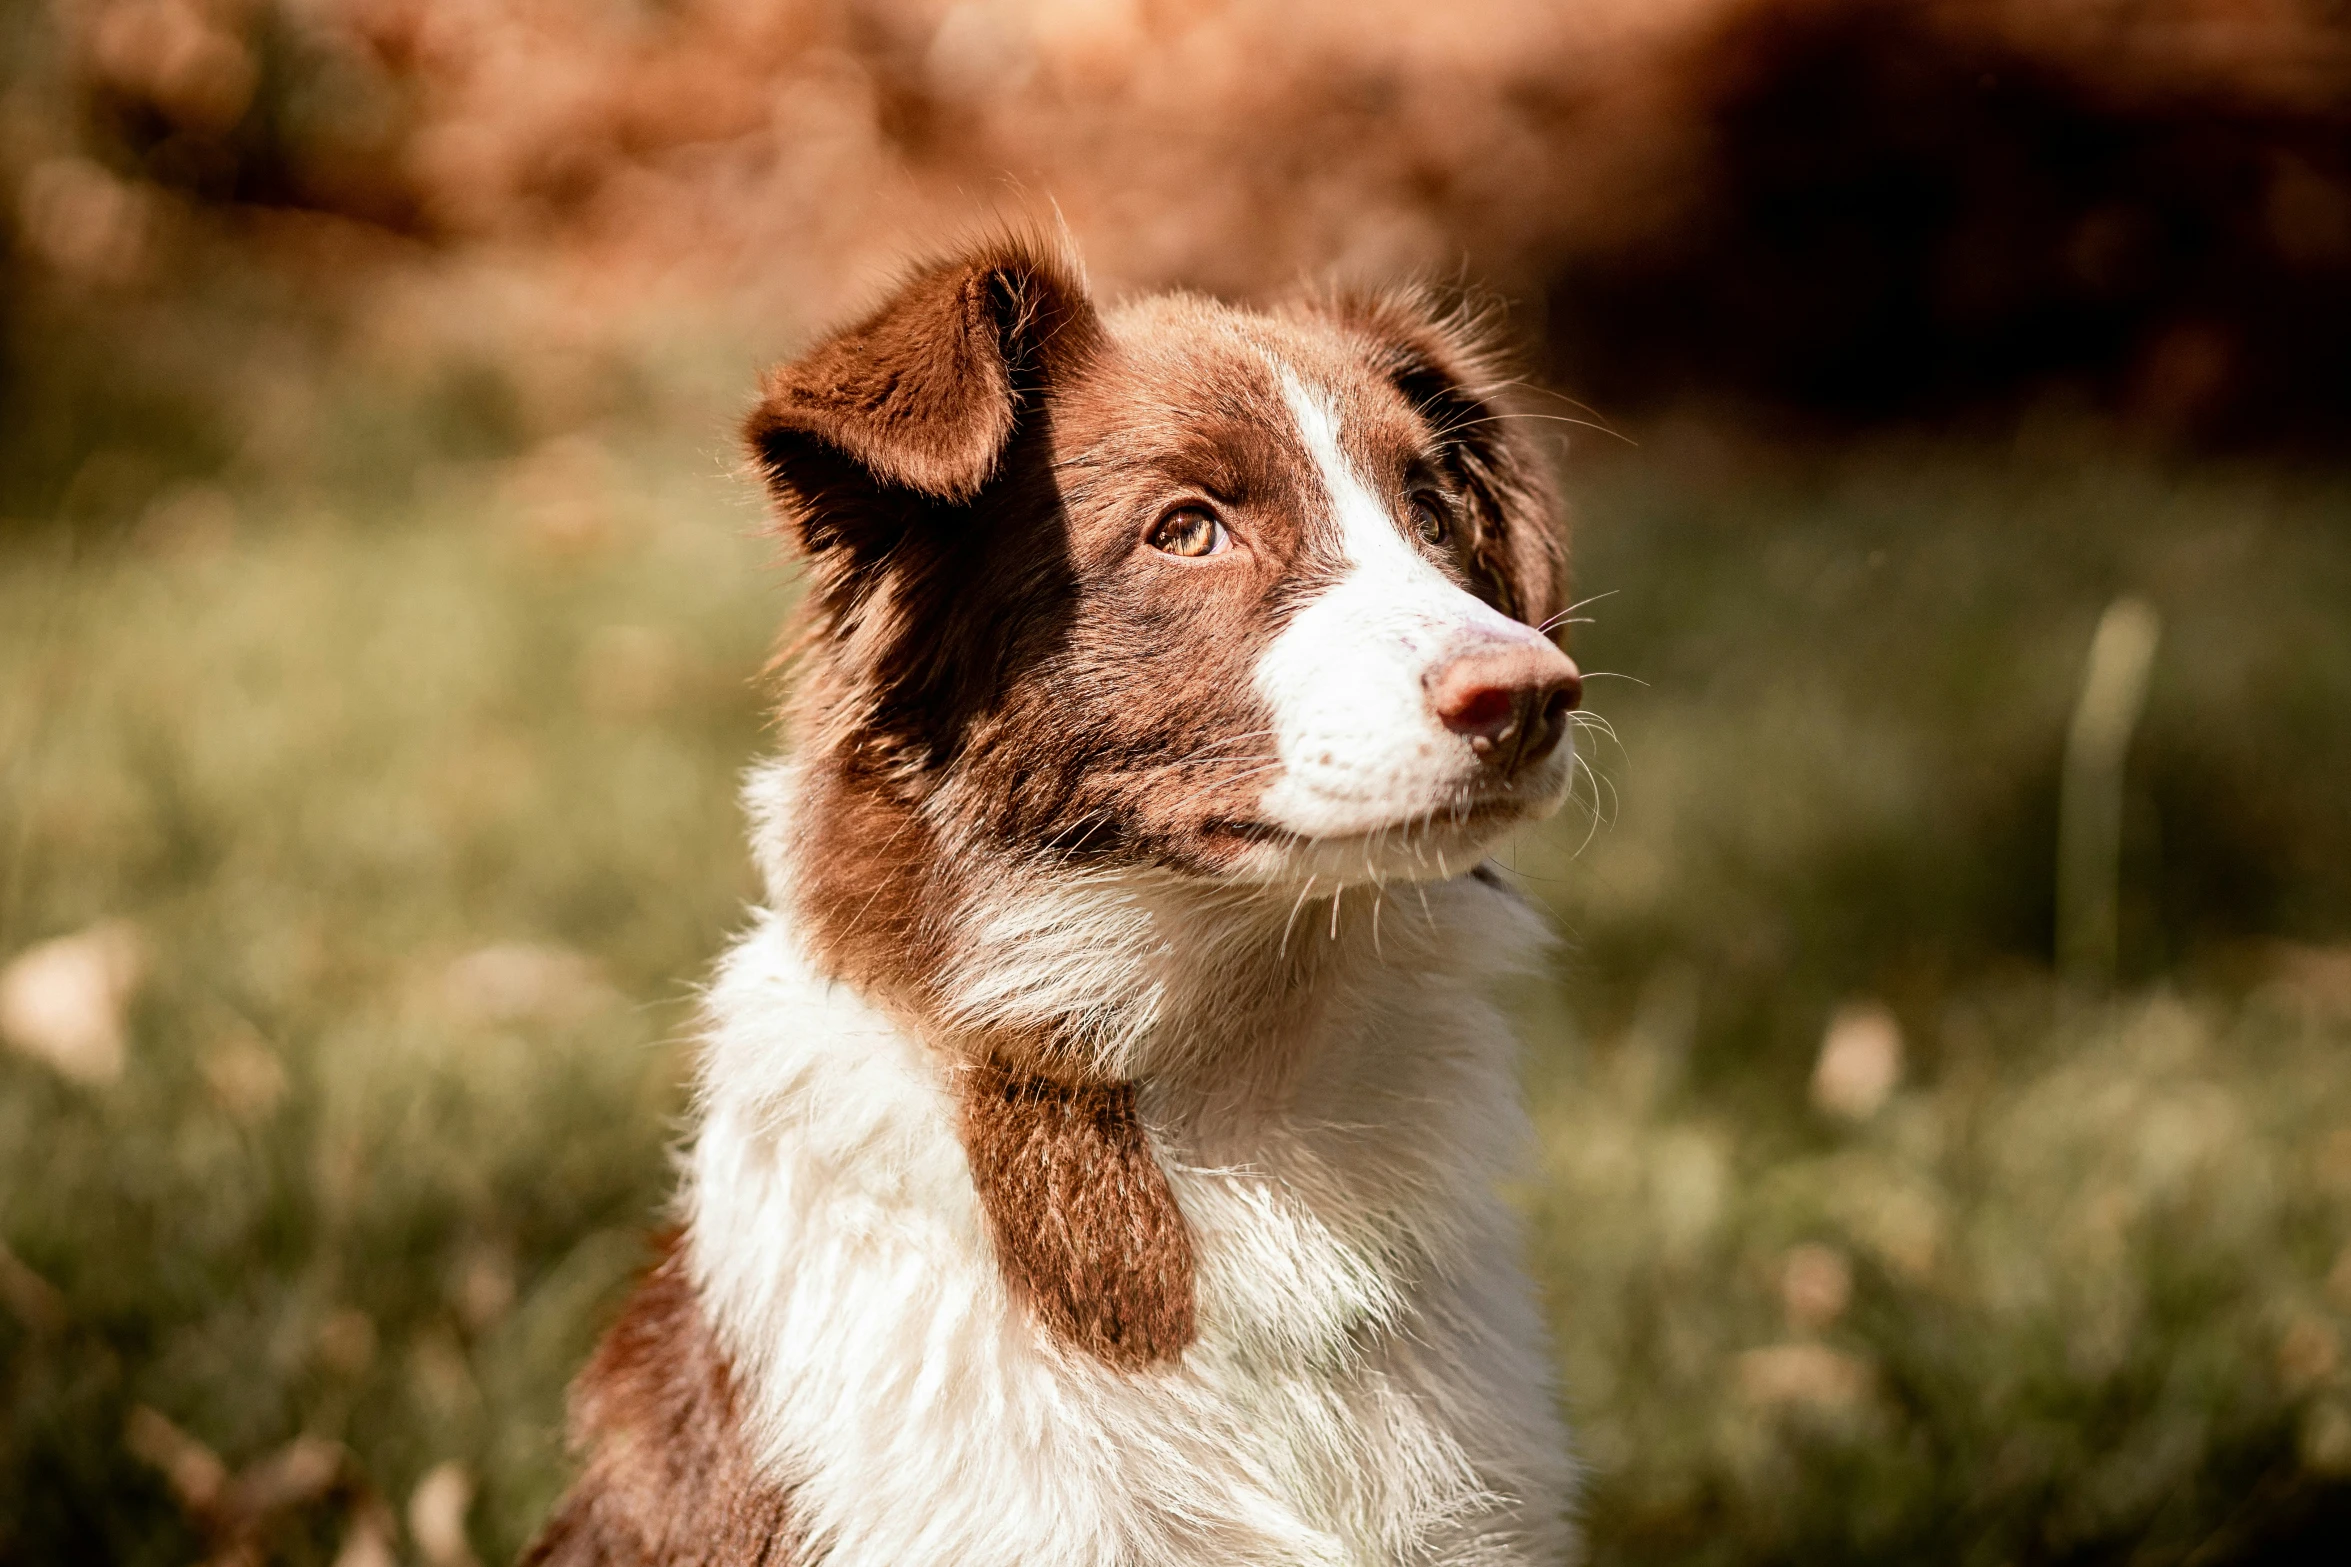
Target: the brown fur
pixel 670 1480
pixel 1089 1232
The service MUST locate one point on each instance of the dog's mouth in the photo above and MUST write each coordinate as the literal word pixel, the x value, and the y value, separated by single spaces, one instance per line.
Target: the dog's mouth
pixel 1471 817
pixel 1249 832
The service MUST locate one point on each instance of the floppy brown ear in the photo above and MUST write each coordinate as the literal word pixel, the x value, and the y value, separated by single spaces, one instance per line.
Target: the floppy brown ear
pixel 921 398
pixel 1446 365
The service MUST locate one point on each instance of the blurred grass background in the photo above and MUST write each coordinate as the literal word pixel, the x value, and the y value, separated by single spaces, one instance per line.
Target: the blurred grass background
pixel 381 619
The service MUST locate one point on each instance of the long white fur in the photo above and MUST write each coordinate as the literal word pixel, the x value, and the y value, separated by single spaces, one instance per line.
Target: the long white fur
pixel 1346 681
pixel 1369 1384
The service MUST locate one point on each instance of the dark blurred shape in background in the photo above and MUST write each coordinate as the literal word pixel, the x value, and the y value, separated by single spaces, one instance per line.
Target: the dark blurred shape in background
pixel 1932 210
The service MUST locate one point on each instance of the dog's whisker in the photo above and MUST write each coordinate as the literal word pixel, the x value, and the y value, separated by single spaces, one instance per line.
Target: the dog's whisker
pixel 1502 418
pixel 1593 830
pixel 1303 893
pixel 1563 617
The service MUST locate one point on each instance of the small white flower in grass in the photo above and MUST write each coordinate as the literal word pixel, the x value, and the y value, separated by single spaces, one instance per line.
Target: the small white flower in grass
pixel 62 1002
pixel 436 1515
pixel 1860 1061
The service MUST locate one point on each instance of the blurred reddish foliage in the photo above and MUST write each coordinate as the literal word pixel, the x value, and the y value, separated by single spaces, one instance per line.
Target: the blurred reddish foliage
pixel 1858 206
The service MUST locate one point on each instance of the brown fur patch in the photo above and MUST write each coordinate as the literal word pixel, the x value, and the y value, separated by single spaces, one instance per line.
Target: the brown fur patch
pixel 670 1480
pixel 1084 1222
pixel 924 392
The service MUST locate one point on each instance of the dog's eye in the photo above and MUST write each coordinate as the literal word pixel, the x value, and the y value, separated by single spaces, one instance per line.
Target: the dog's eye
pixel 1189 530
pixel 1432 519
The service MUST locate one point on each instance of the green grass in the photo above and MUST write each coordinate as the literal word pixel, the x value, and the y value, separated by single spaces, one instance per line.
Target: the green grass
pixel 317 765
pixel 424 816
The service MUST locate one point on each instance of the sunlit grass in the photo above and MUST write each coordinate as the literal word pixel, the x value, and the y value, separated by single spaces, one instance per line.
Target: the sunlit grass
pixel 2080 1294
pixel 419 818
pixel 426 831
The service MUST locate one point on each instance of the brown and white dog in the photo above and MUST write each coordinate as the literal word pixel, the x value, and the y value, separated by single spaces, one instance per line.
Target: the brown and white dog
pixel 1098 1130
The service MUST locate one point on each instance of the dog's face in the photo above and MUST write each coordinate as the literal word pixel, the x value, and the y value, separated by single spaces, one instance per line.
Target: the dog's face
pixel 1249 596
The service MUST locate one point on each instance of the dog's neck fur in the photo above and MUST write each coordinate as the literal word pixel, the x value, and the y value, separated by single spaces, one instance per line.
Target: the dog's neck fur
pixel 1330 1100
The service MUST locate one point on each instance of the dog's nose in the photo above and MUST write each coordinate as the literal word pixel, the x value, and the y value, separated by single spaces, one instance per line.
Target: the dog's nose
pixel 1511 700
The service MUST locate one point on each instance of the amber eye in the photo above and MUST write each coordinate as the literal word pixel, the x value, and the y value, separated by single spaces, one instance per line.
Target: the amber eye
pixel 1189 530
pixel 1432 519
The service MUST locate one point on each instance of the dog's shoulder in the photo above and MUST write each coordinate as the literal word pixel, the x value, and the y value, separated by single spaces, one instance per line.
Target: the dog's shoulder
pixel 670 1480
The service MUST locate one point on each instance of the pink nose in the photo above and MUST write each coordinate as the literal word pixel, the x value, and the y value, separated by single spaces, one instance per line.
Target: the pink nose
pixel 1510 699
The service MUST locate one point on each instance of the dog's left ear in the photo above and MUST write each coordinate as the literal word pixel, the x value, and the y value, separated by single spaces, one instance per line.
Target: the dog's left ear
pixel 1448 367
pixel 918 402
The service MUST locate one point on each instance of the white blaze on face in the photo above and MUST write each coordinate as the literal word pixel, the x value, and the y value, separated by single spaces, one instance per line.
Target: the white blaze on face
pixel 1346 678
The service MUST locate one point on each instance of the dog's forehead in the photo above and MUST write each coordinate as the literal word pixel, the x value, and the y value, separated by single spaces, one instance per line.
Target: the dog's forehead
pixel 1185 369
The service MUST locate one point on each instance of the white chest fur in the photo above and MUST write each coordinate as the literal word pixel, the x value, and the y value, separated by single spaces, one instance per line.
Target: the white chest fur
pixel 1369 1384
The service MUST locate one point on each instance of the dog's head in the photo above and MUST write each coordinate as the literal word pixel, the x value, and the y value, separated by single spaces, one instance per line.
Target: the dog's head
pixel 1249 596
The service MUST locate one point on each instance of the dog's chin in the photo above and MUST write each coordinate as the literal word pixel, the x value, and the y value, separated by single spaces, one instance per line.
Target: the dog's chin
pixel 1427 844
